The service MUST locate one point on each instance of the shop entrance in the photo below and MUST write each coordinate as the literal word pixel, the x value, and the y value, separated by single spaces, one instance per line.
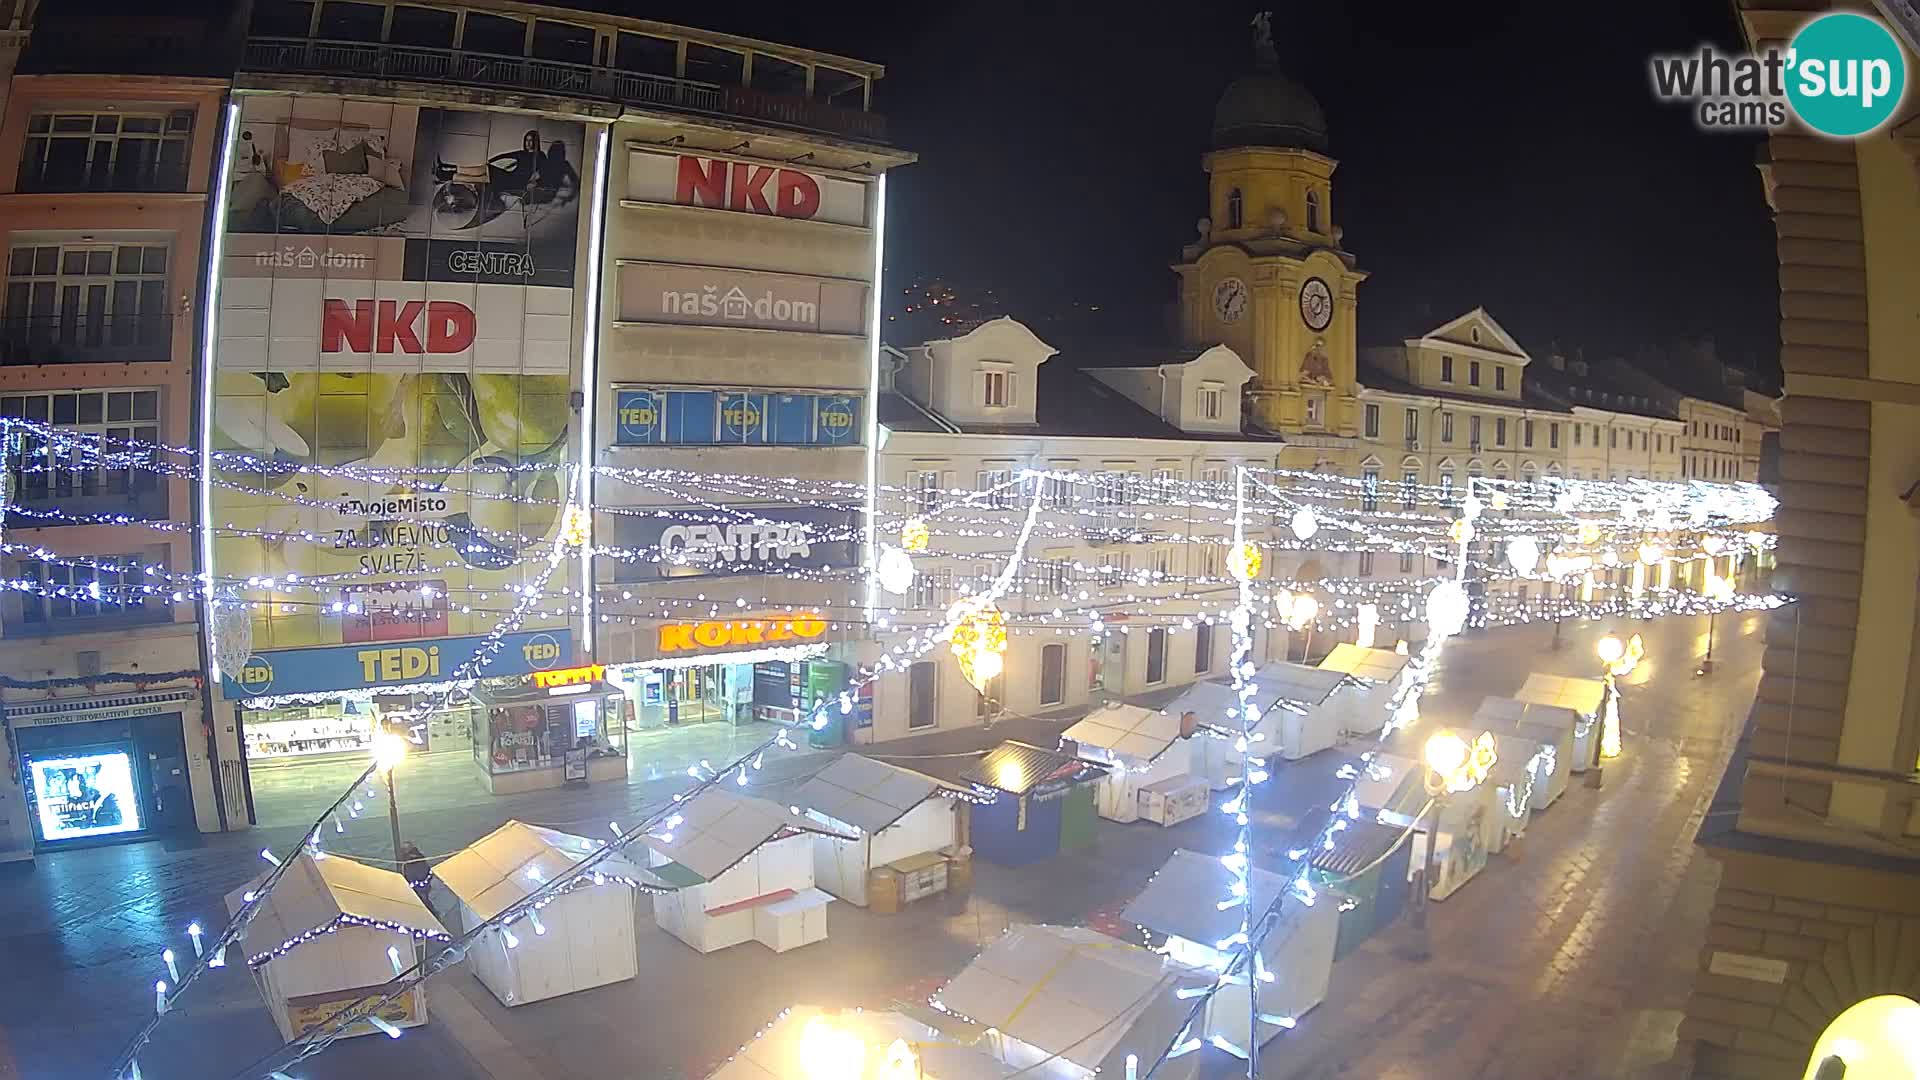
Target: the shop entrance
pixel 672 697
pixel 106 781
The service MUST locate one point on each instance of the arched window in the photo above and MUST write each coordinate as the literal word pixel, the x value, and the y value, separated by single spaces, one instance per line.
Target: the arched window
pixel 1236 209
pixel 1313 211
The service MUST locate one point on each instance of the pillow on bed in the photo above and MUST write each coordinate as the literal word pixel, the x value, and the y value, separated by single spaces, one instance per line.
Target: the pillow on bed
pixel 387 171
pixel 350 161
pixel 287 173
pixel 305 144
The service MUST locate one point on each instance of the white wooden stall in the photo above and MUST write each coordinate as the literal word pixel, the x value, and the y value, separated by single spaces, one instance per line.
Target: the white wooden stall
pixel 800 1044
pixel 1182 902
pixel 1143 747
pixel 1068 1003
pixel 1512 778
pixel 582 938
pixel 893 814
pixel 1583 697
pixel 1361 706
pixel 1299 720
pixel 1395 788
pixel 1543 733
pixel 319 943
pixel 741 869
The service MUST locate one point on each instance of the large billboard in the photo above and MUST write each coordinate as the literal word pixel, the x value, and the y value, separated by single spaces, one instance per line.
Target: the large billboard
pixel 396 301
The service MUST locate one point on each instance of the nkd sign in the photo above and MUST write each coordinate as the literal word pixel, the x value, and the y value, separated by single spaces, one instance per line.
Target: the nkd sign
pixel 710 296
pixel 745 187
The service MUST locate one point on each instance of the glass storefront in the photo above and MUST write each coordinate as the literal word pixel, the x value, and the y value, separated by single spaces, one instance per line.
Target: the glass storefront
pixel 283 735
pixel 529 727
pixel 674 697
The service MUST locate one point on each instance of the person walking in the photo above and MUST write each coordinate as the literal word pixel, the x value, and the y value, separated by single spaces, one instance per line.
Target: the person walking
pixel 418 872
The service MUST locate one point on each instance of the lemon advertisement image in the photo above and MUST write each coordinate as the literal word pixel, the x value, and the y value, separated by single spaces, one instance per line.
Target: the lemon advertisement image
pixel 396 353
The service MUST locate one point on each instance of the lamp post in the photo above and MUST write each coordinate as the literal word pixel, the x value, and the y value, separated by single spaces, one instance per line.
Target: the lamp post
pixel 389 750
pixel 1451 765
pixel 1718 591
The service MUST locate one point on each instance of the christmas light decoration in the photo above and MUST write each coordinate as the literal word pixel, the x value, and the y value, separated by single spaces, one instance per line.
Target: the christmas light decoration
pixel 1303 524
pixel 979 640
pixel 914 535
pixel 894 570
pixel 1244 561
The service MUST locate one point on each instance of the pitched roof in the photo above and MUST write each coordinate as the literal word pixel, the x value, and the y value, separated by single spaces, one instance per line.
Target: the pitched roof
pixel 1380 665
pixel 1389 782
pixel 508 864
pixel 718 828
pixel 1500 714
pixel 1583 696
pixel 318 892
pixel 1374 378
pixel 1182 898
pixel 1018 768
pixel 867 794
pixel 1127 730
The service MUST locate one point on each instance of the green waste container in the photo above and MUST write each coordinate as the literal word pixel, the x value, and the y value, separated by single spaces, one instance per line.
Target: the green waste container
pixel 1077 817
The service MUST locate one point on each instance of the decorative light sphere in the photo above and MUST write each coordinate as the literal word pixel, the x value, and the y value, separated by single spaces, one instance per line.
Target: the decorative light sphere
pixel 1713 544
pixel 1609 558
pixel 1447 607
pixel 1650 553
pixel 389 750
pixel 1244 560
pixel 1303 524
pixel 914 534
pixel 1498 500
pixel 1302 611
pixel 1589 532
pixel 1461 531
pixel 1610 649
pixel 1445 753
pixel 1523 554
pixel 894 570
pixel 1564 499
pixel 1661 519
pixel 1471 506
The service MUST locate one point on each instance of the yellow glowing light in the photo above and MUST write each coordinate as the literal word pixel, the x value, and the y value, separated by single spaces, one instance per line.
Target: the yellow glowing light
pixel 914 535
pixel 1302 610
pixel 389 750
pixel 901 1063
pixel 1713 544
pixel 1878 1039
pixel 1010 776
pixel 1718 589
pixel 1611 649
pixel 828 1053
pixel 1498 500
pixel 1244 561
pixel 1589 532
pixel 979 640
pixel 1446 753
pixel 576 527
pixel 1461 531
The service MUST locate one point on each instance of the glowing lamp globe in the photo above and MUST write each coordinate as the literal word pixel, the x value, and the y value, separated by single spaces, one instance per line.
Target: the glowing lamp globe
pixel 828 1053
pixel 1523 554
pixel 389 750
pixel 1565 499
pixel 1471 506
pixel 1589 532
pixel 1302 611
pixel 1303 524
pixel 1445 753
pixel 1611 649
pixel 1244 561
pixel 1447 608
pixel 895 570
pixel 1498 500
pixel 1461 531
pixel 1714 544
pixel 1650 553
pixel 1877 1038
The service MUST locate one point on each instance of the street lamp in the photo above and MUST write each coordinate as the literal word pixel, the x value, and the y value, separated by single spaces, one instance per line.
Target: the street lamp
pixel 1452 765
pixel 389 750
pixel 1616 658
pixel 1718 591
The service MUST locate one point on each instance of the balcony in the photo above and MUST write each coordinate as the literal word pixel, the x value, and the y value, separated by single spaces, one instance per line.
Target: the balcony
pixel 459 67
pixel 68 339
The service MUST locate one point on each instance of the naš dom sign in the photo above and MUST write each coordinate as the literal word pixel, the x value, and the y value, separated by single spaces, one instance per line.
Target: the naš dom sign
pixel 685 637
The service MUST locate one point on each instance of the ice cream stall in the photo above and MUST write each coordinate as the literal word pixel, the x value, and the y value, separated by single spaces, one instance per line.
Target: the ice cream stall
pixel 328 936
pixel 1394 788
pixel 902 822
pixel 741 869
pixel 1068 1003
pixel 1542 737
pixel 550 728
pixel 1042 803
pixel 1366 862
pixel 1149 756
pixel 1373 674
pixel 810 1043
pixel 1582 697
pixel 582 937
pixel 1182 902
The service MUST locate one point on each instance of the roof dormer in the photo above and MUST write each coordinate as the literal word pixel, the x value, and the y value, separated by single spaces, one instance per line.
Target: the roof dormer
pixel 986 376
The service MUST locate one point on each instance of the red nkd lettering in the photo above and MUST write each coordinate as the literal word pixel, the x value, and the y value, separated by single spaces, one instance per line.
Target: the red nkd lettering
pixel 701 182
pixel 798 195
pixel 389 326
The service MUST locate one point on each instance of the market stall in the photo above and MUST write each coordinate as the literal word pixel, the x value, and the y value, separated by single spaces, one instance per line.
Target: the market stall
pixel 1582 697
pixel 902 822
pixel 550 728
pixel 741 869
pixel 1372 675
pixel 583 937
pixel 1182 901
pixel 809 1043
pixel 1043 803
pixel 1150 761
pixel 1367 864
pixel 1394 788
pixel 328 936
pixel 1068 1003
pixel 1541 736
pixel 1289 720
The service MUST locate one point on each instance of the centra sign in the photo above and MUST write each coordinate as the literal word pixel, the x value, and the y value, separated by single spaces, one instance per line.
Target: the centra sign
pixel 735 633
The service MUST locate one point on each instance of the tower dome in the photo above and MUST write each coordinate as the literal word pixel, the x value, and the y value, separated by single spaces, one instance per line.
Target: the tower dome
pixel 1265 108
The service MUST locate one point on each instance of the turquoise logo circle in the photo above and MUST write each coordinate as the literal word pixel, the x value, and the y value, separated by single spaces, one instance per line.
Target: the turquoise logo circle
pixel 1846 74
pixel 256 675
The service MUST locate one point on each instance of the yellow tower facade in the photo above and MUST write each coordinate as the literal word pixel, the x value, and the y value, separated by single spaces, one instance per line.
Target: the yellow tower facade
pixel 1267 275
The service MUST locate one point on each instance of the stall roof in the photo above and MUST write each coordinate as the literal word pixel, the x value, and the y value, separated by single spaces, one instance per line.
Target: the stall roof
pixel 314 893
pixel 508 864
pixel 1182 898
pixel 1128 730
pixel 867 794
pixel 1018 768
pixel 775 1053
pixel 718 828
pixel 1384 782
pixel 1076 993
pixel 1583 696
pixel 1298 682
pixel 1358 846
pixel 1516 716
pixel 1380 665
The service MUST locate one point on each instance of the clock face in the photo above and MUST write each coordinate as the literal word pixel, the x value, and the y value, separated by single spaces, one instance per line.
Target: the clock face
pixel 1230 299
pixel 1316 304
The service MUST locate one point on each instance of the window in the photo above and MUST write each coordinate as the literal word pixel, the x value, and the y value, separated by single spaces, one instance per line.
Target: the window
pixel 1577 429
pixel 1406 562
pixel 1446 369
pixel 1499 431
pixel 1446 484
pixel 107 151
pixel 1210 401
pixel 998 486
pixel 1475 332
pixel 1114 566
pixel 996 389
pixel 1413 426
pixel 1499 376
pixel 1409 489
pixel 1526 433
pixel 932 590
pixel 1156 656
pixel 102 590
pixel 990 700
pixel 1160 558
pixel 88 302
pixel 1596 434
pixel 1316 410
pixel 1473 373
pixel 66 471
pixel 1236 209
pixel 571 43
pixel 1613 438
pixel 1369 490
pixel 1446 427
pixel 1208 564
pixel 1473 431
pixel 1313 211
pixel 1372 414
pixel 1203 648
pixel 1054 577
pixel 1213 474
pixel 1553 437
pixel 923 681
pixel 924 489
pixel 1366 564
pixel 429 27
pixel 1166 484
pixel 1053 674
pixel 496 34
pixel 1058 492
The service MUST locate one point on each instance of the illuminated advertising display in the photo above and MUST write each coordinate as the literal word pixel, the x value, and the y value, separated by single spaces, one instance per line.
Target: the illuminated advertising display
pixel 694 417
pixel 84 793
pixel 746 187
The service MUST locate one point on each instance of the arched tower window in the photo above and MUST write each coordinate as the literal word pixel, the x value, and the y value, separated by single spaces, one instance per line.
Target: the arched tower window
pixel 1313 211
pixel 1236 209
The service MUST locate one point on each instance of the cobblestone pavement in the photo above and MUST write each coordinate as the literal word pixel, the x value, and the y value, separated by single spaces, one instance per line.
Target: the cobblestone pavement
pixel 1568 956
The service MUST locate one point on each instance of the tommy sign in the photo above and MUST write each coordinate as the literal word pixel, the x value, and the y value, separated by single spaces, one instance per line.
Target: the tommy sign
pixel 744 187
pixel 711 296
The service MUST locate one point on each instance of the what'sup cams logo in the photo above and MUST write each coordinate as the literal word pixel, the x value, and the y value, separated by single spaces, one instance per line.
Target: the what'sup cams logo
pixel 1842 75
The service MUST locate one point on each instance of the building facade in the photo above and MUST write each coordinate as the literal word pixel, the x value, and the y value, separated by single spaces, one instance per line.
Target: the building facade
pixel 1816 823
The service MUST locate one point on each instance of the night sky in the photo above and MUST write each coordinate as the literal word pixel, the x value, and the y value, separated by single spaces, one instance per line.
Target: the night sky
pixel 1508 154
